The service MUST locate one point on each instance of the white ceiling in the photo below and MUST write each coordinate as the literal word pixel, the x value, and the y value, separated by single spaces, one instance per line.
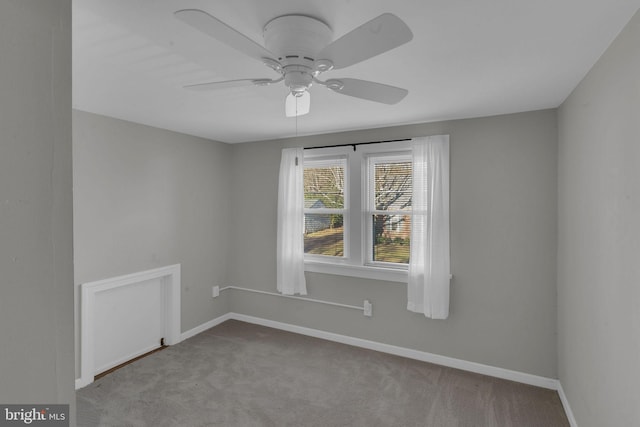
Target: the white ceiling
pixel 468 58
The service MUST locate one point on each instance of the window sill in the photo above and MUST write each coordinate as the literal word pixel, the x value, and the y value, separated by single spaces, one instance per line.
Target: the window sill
pixel 364 272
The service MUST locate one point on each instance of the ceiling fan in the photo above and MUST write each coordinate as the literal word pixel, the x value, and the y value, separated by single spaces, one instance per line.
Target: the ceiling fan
pixel 300 48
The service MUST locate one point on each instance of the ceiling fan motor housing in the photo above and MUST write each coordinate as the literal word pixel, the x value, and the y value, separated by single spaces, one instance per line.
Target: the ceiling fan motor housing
pixel 297 40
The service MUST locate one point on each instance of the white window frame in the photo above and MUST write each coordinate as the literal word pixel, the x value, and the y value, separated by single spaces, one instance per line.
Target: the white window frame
pixel 328 161
pixel 371 160
pixel 354 263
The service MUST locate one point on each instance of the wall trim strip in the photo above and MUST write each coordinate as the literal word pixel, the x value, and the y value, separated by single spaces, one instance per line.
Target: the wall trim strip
pixel 208 325
pixel 567 407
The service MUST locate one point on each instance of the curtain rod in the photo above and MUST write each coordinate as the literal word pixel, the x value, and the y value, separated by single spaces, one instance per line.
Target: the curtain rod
pixel 357 143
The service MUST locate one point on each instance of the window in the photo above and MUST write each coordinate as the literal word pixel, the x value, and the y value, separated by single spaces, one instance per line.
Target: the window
pixel 357 210
pixel 389 209
pixel 324 207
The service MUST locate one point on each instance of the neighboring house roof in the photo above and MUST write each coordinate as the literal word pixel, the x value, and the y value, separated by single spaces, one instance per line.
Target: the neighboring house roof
pixel 314 204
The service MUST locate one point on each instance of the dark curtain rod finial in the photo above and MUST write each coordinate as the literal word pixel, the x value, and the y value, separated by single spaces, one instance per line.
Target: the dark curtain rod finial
pixel 357 143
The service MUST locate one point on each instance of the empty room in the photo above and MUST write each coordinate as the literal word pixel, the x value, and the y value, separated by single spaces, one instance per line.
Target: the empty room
pixel 306 213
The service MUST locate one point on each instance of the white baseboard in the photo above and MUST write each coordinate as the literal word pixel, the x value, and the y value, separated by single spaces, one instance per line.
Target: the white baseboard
pixel 82 382
pixel 208 325
pixel 566 406
pixel 521 377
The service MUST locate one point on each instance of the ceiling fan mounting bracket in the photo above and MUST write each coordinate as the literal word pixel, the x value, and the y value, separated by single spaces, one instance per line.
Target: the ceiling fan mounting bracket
pixel 266 82
pixel 333 84
pixel 322 66
pixel 273 64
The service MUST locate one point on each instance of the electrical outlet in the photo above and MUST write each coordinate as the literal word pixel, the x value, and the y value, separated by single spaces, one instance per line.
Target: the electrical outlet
pixel 216 291
pixel 368 308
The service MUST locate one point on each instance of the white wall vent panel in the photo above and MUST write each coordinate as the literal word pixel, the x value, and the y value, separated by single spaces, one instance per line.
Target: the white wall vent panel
pixel 127 316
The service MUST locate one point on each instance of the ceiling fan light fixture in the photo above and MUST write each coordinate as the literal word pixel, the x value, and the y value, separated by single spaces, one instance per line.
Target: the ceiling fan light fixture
pixel 297 104
pixel 297 79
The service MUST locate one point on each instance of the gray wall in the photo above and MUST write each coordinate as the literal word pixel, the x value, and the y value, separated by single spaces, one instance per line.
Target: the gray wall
pixel 145 198
pixel 36 293
pixel 503 244
pixel 599 239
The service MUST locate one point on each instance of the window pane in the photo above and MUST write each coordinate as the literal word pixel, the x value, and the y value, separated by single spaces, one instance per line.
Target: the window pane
pixel 324 187
pixel 392 182
pixel 391 234
pixel 324 234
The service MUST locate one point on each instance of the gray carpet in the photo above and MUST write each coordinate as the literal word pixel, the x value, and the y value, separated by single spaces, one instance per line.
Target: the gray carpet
pixel 239 374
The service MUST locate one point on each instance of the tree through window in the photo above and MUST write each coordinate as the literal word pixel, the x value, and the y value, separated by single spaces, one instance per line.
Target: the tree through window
pixel 324 207
pixel 389 217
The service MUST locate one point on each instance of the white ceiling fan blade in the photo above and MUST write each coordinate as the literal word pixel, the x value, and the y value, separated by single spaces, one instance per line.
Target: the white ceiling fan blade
pixel 227 84
pixel 217 29
pixel 297 105
pixel 371 91
pixel 377 36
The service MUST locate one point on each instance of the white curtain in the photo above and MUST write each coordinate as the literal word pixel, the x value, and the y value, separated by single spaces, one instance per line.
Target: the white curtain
pixel 290 246
pixel 429 265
